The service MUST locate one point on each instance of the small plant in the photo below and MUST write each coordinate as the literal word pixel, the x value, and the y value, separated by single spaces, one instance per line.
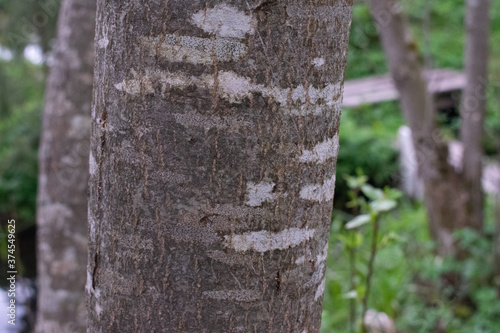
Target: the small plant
pixel 368 205
pixel 472 305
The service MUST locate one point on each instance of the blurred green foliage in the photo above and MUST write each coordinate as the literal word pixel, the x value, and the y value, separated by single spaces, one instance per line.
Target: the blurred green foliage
pixel 473 308
pixel 24 22
pixel 367 141
pixel 19 136
pixel 403 235
pixel 364 36
pixel 408 282
pixel 368 133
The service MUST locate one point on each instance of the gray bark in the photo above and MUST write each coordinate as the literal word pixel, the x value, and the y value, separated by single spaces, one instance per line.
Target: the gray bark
pixel 63 177
pixel 445 193
pixel 212 167
pixel 474 104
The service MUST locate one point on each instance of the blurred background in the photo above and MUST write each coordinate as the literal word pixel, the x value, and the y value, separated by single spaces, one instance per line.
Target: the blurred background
pixel 406 283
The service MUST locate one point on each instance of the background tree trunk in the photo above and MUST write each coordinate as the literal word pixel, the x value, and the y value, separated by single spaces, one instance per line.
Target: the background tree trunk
pixel 445 193
pixel 62 188
pixel 473 106
pixel 212 167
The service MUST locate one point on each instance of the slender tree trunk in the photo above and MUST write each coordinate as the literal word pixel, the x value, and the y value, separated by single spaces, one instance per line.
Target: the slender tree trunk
pixel 496 242
pixel 212 167
pixel 445 194
pixel 473 105
pixel 62 187
pixel 496 227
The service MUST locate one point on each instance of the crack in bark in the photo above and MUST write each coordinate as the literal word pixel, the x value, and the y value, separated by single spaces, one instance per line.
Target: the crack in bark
pixel 265 5
pixel 278 281
pixel 95 270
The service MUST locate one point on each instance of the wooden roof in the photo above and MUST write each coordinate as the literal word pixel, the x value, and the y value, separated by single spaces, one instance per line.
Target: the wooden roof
pixel 381 88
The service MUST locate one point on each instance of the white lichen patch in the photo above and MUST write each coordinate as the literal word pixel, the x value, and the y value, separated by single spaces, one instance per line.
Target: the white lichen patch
pixel 133 86
pixel 300 260
pixel 318 62
pixel 318 277
pixel 319 192
pixel 300 100
pixel 264 241
pixel 92 224
pixel 320 290
pixel 244 295
pixel 296 101
pixel 137 85
pixel 258 193
pixel 195 50
pixel 98 309
pixel 235 88
pixel 320 258
pixel 88 283
pixel 92 164
pixel 322 255
pixel 103 43
pixel 224 21
pixel 322 152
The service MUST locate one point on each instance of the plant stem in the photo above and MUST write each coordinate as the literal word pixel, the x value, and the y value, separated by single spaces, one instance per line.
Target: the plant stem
pixel 352 273
pixel 352 286
pixel 370 272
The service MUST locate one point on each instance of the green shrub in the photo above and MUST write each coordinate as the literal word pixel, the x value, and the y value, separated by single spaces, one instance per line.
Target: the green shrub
pixel 19 137
pixel 367 142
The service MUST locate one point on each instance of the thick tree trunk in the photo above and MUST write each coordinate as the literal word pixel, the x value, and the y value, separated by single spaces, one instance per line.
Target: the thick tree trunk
pixel 62 187
pixel 473 105
pixel 445 194
pixel 213 149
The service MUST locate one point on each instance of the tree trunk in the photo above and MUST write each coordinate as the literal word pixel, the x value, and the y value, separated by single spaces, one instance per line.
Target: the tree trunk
pixel 473 106
pixel 212 167
pixel 62 187
pixel 445 194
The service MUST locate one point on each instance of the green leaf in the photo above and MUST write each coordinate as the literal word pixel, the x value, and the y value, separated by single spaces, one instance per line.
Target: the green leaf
pixel 383 205
pixel 358 221
pixel 390 238
pixel 392 193
pixel 357 239
pixel 351 240
pixel 343 239
pixel 355 182
pixel 372 192
pixel 361 291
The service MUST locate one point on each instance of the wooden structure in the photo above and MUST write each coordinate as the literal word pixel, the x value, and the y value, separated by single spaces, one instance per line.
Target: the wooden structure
pixel 445 85
pixel 381 88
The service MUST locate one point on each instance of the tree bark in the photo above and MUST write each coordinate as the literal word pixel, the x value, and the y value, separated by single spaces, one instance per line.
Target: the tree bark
pixel 63 178
pixel 473 106
pixel 445 194
pixel 212 167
